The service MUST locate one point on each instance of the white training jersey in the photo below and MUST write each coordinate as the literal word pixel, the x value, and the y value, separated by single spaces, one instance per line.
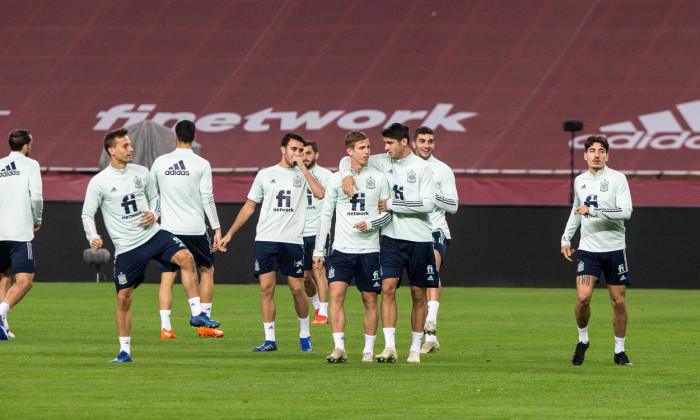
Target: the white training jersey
pixel 446 199
pixel 362 207
pixel 412 195
pixel 123 195
pixel 282 192
pixel 313 204
pixel 21 199
pixel 607 195
pixel 184 183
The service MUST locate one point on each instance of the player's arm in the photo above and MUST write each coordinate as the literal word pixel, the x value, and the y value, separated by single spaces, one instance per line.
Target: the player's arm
pixel 316 188
pixel 426 201
pixel 36 195
pixel 243 215
pixel 572 225
pixel 623 200
pixel 90 205
pixel 324 227
pixel 150 216
pixel 384 216
pixel 447 199
pixel 206 192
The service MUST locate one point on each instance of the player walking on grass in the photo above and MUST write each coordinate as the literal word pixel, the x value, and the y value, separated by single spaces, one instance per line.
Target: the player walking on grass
pixel 21 208
pixel 278 240
pixel 446 200
pixel 315 281
pixel 128 199
pixel 356 244
pixel 601 205
pixel 184 182
pixel 407 240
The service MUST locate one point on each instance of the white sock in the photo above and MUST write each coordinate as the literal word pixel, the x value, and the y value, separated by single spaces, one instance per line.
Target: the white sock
pixel 269 330
pixel 315 301
pixel 4 309
pixel 195 306
pixel 389 337
pixel 619 345
pixel 304 327
pixel 416 338
pixel 583 334
pixel 165 319
pixel 369 343
pixel 433 306
pixel 339 339
pixel 125 344
pixel 206 308
pixel 430 338
pixel 323 309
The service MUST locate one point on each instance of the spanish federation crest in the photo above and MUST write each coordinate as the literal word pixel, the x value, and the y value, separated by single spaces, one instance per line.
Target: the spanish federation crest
pixel 121 278
pixel 580 266
pixel 411 177
pixel 604 186
pixel 331 273
pixel 297 181
pixel 138 183
pixel 370 183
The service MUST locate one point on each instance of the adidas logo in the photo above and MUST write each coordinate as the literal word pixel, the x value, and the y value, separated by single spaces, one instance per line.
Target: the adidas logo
pixel 114 189
pixel 177 169
pixel 376 284
pixel 664 130
pixel 9 170
pixel 583 187
pixel 273 181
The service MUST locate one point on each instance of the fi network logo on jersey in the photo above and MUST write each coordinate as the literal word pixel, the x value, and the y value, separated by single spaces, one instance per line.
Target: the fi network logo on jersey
pixel 177 169
pixel 9 170
pixel 671 129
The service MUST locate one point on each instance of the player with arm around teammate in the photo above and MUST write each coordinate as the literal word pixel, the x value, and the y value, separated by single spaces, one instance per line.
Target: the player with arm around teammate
pixel 129 202
pixel 184 182
pixel 278 240
pixel 356 244
pixel 601 205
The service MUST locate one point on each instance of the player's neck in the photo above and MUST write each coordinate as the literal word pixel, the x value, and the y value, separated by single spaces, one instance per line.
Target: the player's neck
pixel 595 171
pixel 405 154
pixel 357 166
pixel 117 164
pixel 181 145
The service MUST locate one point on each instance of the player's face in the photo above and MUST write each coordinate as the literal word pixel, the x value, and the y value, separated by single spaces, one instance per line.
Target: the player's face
pixel 292 150
pixel 395 148
pixel 424 145
pixel 360 153
pixel 596 156
pixel 122 151
pixel 309 157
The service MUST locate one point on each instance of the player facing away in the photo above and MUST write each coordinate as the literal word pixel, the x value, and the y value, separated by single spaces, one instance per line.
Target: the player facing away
pixel 184 183
pixel 278 239
pixel 315 281
pixel 356 244
pixel 601 205
pixel 407 240
pixel 21 208
pixel 129 202
pixel 446 200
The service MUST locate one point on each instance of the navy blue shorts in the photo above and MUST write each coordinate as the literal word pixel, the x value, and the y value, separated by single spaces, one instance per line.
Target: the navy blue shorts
pixel 285 257
pixel 201 248
pixel 440 243
pixel 417 258
pixel 613 264
pixel 364 267
pixel 19 256
pixel 130 267
pixel 309 245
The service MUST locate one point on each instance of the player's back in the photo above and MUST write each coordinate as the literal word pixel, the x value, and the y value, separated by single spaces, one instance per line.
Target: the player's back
pixel 16 172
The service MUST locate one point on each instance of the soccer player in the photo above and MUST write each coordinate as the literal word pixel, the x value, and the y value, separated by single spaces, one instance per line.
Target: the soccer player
pixel 128 199
pixel 21 208
pixel 278 240
pixel 356 245
pixel 407 240
pixel 446 200
pixel 184 182
pixel 315 281
pixel 601 205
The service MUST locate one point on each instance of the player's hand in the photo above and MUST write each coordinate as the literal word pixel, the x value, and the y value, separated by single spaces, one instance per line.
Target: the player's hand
pixel 349 186
pixel 298 161
pixel 223 242
pixel 361 226
pixel 318 262
pixel 147 220
pixel 37 227
pixel 582 210
pixel 96 244
pixel 217 239
pixel 567 251
pixel 382 205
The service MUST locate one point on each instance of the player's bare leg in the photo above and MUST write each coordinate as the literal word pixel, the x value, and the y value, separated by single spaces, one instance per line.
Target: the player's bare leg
pixel 582 310
pixel 165 304
pixel 267 296
pixel 371 312
pixel 617 298
pixel 15 293
pixel 338 293
pixel 301 305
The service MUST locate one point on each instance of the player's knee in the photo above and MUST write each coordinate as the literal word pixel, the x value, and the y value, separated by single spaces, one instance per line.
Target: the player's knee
pixel 619 305
pixel 583 299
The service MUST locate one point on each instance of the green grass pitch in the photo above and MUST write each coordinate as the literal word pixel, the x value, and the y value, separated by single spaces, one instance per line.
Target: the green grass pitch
pixel 505 353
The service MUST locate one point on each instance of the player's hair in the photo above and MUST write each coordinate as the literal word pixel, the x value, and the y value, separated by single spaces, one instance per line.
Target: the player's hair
pixel 111 136
pixel 313 145
pixel 596 139
pixel 423 129
pixel 397 131
pixel 290 136
pixel 184 130
pixel 353 137
pixel 18 138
